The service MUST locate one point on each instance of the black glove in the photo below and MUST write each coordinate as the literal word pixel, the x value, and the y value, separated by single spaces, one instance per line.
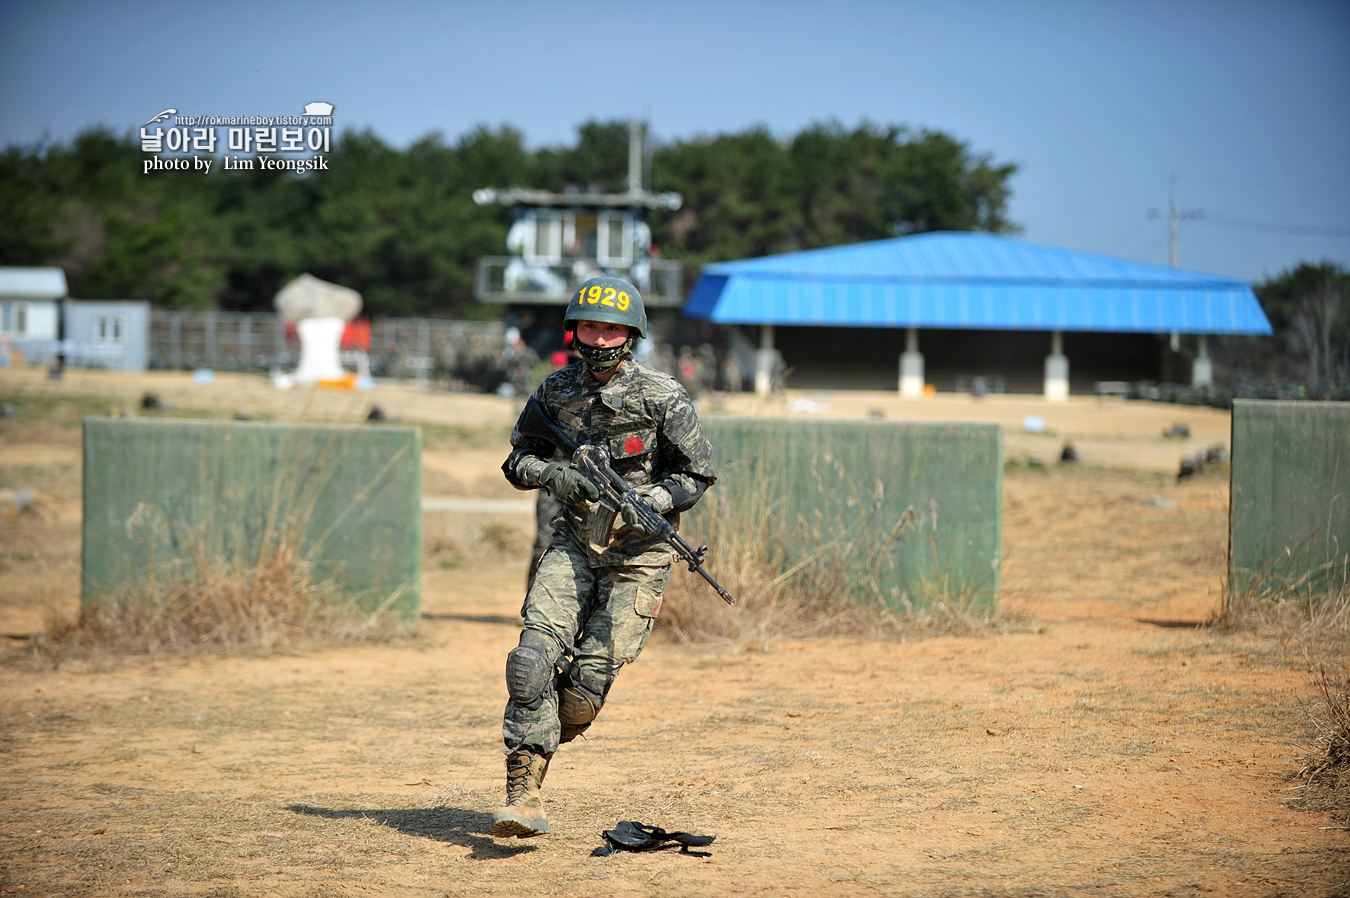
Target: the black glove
pixel 638 515
pixel 633 836
pixel 569 485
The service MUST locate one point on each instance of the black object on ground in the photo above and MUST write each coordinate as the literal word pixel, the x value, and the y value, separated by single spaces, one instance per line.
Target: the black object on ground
pixel 630 835
pixel 1202 461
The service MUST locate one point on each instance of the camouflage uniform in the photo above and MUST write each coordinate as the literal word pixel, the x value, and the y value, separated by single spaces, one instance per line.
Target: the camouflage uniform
pixel 546 508
pixel 595 604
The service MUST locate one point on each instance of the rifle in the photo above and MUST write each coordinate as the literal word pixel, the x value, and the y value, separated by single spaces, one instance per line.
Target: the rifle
pixel 593 462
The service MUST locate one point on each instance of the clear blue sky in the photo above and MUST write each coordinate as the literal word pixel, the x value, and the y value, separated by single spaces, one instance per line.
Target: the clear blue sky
pixel 1247 103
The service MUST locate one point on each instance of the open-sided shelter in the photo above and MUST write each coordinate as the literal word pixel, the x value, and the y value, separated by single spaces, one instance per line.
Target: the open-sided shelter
pixel 988 306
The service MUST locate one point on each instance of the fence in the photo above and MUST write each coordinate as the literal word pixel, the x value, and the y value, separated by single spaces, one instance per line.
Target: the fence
pixel 835 493
pixel 260 341
pixel 1290 499
pixel 165 497
pixel 224 341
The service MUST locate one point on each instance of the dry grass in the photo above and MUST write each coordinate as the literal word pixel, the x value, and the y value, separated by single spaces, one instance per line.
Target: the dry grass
pixel 275 605
pixel 1308 611
pixel 1326 772
pixel 227 587
pixel 832 587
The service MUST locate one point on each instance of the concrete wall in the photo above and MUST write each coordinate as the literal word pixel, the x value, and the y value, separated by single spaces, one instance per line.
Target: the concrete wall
pixel 160 493
pixel 850 482
pixel 1290 511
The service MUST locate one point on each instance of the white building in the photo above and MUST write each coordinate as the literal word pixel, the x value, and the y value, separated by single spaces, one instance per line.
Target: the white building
pixel 29 312
pixel 107 333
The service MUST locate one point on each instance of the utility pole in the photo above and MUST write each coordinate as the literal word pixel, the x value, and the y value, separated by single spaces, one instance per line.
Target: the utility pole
pixel 634 155
pixel 1202 371
pixel 1174 215
pixel 1172 223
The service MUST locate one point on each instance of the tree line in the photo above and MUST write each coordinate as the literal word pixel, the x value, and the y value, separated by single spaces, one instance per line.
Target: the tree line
pixel 1309 310
pixel 400 225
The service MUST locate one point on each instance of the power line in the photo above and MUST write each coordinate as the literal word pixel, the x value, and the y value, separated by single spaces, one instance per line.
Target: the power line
pixel 1128 234
pixel 1306 230
pixel 1145 250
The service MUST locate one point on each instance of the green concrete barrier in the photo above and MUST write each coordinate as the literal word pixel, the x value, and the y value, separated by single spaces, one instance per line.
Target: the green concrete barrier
pixel 175 494
pixel 1289 521
pixel 822 492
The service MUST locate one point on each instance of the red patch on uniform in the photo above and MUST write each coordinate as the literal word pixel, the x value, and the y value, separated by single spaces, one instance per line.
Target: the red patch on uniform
pixel 632 445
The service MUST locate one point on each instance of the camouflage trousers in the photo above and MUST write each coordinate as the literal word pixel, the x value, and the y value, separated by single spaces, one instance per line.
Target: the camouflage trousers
pixel 546 508
pixel 599 616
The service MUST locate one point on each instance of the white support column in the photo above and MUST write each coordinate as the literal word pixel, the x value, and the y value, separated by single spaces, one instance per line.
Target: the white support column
pixel 320 349
pixel 911 366
pixel 1202 370
pixel 764 361
pixel 1056 370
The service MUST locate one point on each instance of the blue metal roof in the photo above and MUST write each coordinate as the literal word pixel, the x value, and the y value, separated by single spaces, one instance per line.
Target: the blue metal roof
pixel 975 281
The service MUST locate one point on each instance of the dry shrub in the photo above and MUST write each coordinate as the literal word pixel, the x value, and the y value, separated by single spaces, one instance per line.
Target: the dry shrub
pixel 442 551
pixel 503 538
pixel 1306 606
pixel 277 605
pixel 834 587
pixel 228 585
pixel 1326 773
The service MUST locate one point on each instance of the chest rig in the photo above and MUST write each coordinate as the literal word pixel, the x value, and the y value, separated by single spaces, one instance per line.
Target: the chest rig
pixel 615 425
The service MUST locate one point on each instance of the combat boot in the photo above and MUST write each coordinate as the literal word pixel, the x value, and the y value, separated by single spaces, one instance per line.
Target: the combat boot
pixel 523 814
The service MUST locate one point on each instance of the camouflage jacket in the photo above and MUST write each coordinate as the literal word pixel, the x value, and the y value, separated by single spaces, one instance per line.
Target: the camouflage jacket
pixel 653 435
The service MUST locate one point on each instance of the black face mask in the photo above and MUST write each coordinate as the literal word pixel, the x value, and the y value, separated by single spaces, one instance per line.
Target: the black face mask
pixel 602 360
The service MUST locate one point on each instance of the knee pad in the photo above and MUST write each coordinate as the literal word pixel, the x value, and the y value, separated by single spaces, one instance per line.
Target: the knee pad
pixel 529 668
pixel 580 698
pixel 578 706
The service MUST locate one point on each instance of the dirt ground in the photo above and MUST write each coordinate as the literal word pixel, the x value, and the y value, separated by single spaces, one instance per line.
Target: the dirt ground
pixel 1102 746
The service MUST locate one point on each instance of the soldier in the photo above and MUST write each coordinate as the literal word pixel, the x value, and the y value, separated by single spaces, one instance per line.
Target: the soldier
pixel 733 376
pixel 705 361
pixel 596 594
pixel 687 373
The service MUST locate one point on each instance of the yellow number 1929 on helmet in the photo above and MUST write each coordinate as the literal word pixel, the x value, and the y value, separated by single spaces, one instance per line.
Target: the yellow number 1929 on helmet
pixel 608 300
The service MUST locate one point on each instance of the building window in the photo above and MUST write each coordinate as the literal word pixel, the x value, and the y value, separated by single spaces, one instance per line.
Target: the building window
pixel 584 236
pixel 616 239
pixel 547 243
pixel 110 330
pixel 14 317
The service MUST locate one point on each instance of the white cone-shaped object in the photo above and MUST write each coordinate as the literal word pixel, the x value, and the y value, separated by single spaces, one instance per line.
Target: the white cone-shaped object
pixel 320 349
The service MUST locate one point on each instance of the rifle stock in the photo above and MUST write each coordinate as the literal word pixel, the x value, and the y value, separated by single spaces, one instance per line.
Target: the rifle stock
pixel 593 462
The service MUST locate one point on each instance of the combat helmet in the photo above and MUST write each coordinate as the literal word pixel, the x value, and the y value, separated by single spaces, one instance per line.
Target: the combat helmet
pixel 613 301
